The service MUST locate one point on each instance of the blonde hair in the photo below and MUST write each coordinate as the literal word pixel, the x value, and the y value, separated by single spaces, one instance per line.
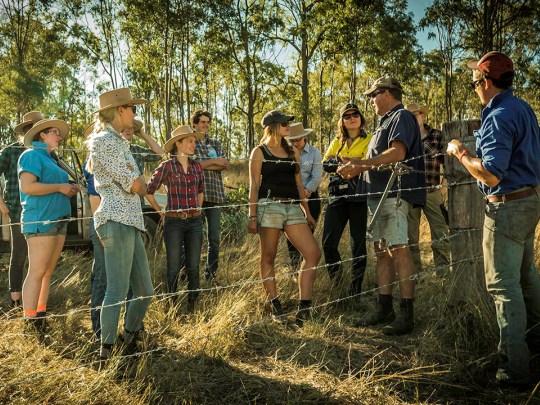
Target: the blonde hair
pixel 272 131
pixel 102 119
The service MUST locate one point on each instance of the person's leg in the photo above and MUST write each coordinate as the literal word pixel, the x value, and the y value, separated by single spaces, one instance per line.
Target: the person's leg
pixel 439 230
pixel 530 285
pixel 98 280
pixel 315 209
pixel 193 247
pixel 51 265
pixel 174 247
pixel 141 284
pixel 40 253
pixel 119 248
pixel 213 221
pixel 268 238
pixel 357 212
pixel 413 232
pixel 507 232
pixel 19 253
pixel 335 219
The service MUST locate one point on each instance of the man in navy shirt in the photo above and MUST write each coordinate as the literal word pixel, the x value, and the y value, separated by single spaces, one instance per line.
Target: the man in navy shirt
pixel 396 139
pixel 507 168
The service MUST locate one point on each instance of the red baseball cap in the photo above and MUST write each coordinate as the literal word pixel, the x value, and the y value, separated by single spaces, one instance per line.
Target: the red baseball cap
pixel 493 64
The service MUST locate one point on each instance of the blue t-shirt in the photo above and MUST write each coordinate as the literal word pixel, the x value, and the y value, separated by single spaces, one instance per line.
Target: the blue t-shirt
pixel 398 124
pixel 508 142
pixel 48 207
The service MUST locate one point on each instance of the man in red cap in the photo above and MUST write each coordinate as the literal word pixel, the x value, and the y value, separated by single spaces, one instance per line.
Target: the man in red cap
pixel 507 168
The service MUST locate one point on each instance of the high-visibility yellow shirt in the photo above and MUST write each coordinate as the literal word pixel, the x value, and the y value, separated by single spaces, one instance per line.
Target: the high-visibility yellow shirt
pixel 358 148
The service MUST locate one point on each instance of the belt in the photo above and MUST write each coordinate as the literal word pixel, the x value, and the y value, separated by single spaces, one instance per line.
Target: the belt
pixel 517 195
pixel 183 214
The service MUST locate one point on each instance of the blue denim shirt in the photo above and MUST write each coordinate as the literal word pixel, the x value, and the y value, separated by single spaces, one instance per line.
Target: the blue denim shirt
pixel 311 167
pixel 46 207
pixel 508 142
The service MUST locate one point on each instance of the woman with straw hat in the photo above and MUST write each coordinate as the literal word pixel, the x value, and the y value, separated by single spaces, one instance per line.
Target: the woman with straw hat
pixel 183 179
pixel 10 205
pixel 45 195
pixel 118 219
pixel 275 187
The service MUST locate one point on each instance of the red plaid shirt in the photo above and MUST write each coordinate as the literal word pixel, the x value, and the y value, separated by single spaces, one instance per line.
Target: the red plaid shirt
pixel 433 145
pixel 182 188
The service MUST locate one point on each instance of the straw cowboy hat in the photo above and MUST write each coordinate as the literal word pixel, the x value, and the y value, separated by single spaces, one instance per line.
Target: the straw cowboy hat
pixel 88 130
pixel 417 108
pixel 44 124
pixel 116 98
pixel 28 119
pixel 180 133
pixel 298 131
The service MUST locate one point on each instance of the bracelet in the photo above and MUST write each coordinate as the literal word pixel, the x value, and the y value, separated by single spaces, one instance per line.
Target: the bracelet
pixel 463 153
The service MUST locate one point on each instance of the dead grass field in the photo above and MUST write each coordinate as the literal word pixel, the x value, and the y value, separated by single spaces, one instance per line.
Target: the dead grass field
pixel 229 352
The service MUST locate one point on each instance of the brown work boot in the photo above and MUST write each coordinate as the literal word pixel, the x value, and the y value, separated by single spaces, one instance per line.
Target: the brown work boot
pixel 404 322
pixel 377 316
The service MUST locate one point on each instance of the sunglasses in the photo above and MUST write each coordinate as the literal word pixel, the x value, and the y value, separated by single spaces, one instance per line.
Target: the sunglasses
pixel 376 93
pixel 133 108
pixel 351 115
pixel 476 83
pixel 54 131
pixel 285 124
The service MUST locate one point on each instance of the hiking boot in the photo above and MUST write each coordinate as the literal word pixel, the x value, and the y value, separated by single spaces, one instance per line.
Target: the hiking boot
pixel 41 322
pixel 379 315
pixel 126 348
pixel 404 322
pixel 278 315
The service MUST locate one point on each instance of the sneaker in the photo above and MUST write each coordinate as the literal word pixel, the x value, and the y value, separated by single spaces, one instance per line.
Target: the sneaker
pixel 376 317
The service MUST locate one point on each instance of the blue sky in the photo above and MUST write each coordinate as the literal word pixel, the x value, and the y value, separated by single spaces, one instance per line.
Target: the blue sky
pixel 418 8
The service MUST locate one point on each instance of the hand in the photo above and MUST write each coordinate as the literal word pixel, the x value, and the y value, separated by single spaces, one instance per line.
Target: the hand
pixel 4 209
pixel 161 212
pixel 252 227
pixel 455 147
pixel 348 170
pixel 223 162
pixel 311 222
pixel 69 189
pixel 307 193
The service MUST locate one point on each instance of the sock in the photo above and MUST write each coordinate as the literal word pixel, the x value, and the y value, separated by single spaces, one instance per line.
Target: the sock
pixel 304 304
pixel 406 302
pixel 386 302
pixel 29 313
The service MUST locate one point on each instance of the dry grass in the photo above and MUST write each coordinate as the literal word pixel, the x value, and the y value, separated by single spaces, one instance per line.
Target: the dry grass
pixel 228 352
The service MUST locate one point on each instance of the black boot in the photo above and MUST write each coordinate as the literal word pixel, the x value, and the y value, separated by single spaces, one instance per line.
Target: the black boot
pixel 277 312
pixel 303 313
pixel 383 313
pixel 404 322
pixel 41 322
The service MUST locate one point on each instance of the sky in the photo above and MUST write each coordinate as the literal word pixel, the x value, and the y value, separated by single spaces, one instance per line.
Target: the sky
pixel 418 8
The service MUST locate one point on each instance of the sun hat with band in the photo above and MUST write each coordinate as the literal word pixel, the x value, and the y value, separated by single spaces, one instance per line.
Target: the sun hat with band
pixel 417 108
pixel 180 133
pixel 298 131
pixel 117 98
pixel 29 118
pixel 275 117
pixel 42 125
pixel 383 83
pixel 492 64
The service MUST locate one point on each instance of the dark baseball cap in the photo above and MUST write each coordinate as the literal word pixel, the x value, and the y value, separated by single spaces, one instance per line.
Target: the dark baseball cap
pixel 347 107
pixel 275 117
pixel 492 64
pixel 383 83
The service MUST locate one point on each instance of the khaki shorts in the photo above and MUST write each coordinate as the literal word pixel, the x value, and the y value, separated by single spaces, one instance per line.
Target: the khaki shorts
pixel 59 228
pixel 391 225
pixel 275 214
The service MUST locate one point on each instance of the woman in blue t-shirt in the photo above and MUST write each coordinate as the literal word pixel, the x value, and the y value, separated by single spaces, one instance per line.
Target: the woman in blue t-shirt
pixel 45 194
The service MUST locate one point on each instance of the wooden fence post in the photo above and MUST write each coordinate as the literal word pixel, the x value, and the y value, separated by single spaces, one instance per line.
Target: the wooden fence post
pixel 466 216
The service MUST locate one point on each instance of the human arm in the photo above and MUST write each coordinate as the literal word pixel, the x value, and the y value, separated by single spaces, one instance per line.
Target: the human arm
pixel 152 201
pixel 255 167
pixel 29 184
pixel 3 207
pixel 201 199
pixel 473 165
pixel 316 172
pixel 151 142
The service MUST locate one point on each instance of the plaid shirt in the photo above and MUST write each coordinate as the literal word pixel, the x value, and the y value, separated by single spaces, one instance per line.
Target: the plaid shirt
pixel 9 158
pixel 182 188
pixel 433 145
pixel 214 191
pixel 143 155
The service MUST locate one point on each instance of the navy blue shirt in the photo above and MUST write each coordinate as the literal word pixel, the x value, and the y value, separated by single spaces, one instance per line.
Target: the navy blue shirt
pixel 508 142
pixel 398 124
pixel 90 187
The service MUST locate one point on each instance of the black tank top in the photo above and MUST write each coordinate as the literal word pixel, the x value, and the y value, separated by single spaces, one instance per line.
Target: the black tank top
pixel 278 178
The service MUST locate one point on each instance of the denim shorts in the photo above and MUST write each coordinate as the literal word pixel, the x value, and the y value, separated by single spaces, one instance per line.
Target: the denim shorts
pixel 59 228
pixel 275 214
pixel 391 224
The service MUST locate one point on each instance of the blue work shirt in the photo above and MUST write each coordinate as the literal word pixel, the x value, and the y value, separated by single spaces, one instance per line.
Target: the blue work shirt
pixel 398 124
pixel 89 177
pixel 311 167
pixel 508 142
pixel 48 207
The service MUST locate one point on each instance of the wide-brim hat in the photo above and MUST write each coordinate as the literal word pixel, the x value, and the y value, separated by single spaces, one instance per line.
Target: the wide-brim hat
pixel 88 130
pixel 29 118
pixel 39 126
pixel 417 108
pixel 116 98
pixel 383 83
pixel 298 131
pixel 180 133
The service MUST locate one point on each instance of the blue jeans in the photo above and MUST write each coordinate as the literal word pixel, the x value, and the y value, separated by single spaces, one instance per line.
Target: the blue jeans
pixel 338 213
pixel 125 264
pixel 98 280
pixel 213 222
pixel 513 282
pixel 183 239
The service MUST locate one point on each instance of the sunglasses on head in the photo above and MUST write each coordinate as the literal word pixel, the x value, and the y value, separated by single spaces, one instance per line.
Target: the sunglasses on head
pixel 133 108
pixel 351 115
